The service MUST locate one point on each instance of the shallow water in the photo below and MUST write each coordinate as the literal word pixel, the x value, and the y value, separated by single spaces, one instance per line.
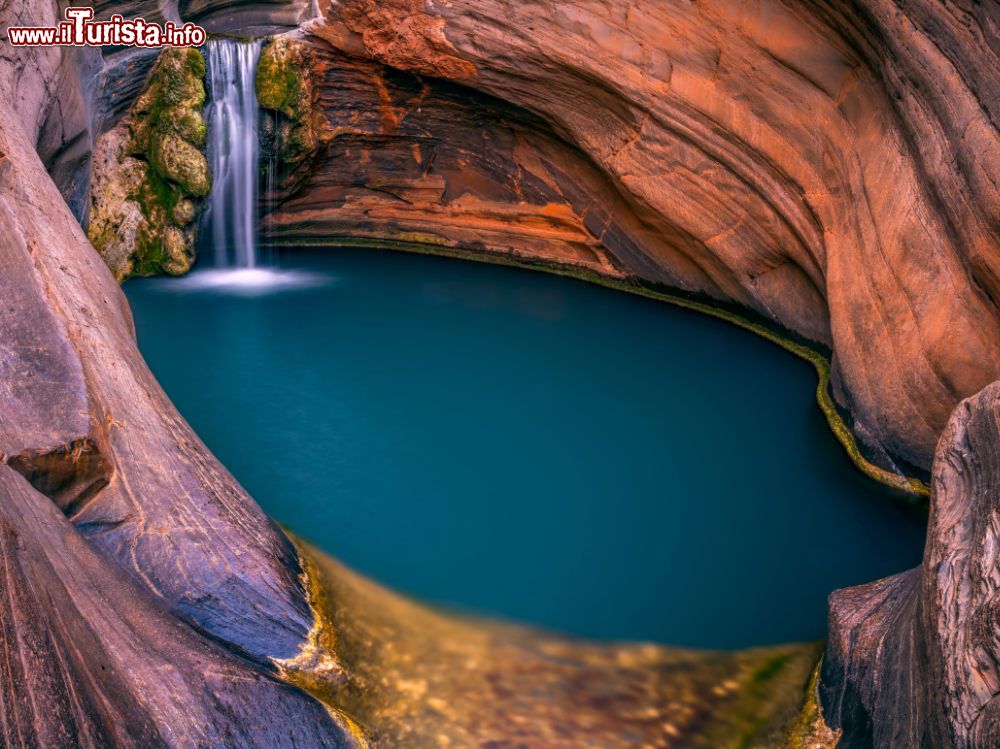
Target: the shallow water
pixel 538 448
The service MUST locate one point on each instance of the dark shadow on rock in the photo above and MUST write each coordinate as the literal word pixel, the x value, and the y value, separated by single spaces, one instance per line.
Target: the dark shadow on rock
pixel 70 476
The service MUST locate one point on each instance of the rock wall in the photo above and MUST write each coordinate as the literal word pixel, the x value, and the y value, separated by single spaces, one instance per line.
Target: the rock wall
pixel 827 164
pixel 72 331
pixel 91 661
pixel 146 595
pixel 913 659
pixel 403 160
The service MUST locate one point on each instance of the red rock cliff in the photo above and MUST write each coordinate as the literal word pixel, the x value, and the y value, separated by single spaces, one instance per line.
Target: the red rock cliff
pixel 830 165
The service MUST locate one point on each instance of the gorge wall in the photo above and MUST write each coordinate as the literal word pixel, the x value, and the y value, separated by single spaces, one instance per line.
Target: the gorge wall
pixel 146 595
pixel 148 602
pixel 828 165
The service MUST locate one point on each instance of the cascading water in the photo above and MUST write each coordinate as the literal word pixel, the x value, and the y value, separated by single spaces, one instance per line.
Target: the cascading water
pixel 229 227
pixel 233 151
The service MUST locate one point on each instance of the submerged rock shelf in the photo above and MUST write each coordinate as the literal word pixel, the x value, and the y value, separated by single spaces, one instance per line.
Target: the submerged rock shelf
pixel 419 679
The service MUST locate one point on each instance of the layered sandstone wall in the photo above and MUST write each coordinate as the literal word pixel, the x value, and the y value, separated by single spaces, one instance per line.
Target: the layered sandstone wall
pixel 826 164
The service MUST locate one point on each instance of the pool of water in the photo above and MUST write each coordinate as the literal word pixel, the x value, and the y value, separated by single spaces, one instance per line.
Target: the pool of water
pixel 516 444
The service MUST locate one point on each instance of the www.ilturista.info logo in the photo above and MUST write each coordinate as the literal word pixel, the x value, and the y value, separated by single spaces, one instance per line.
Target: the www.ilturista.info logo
pixel 78 30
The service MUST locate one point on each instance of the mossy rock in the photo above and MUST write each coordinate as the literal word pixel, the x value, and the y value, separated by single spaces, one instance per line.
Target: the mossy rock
pixel 172 101
pixel 294 129
pixel 166 133
pixel 181 163
pixel 185 123
pixel 156 196
pixel 184 212
pixel 177 81
pixel 177 248
pixel 149 255
pixel 282 83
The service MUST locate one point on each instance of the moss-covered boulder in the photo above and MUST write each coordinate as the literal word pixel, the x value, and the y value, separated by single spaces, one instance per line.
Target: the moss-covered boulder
pixel 149 184
pixel 174 158
pixel 173 99
pixel 116 220
pixel 294 127
pixel 282 82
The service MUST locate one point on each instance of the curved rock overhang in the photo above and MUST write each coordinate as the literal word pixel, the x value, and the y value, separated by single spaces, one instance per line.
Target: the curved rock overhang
pixel 829 165
pixel 825 164
pixel 146 595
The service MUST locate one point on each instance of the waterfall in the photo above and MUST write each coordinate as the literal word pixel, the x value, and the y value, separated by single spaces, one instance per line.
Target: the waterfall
pixel 228 232
pixel 233 151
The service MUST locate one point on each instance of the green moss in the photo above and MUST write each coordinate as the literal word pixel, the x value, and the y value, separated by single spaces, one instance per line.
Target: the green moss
pixel 281 82
pixel 150 253
pixel 420 238
pixel 771 668
pixel 167 132
pixel 184 123
pixel 156 199
pixel 155 195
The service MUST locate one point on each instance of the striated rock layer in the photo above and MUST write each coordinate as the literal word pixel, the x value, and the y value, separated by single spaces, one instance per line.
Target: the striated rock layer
pixel 148 602
pixel 913 659
pixel 146 595
pixel 829 164
pixel 89 660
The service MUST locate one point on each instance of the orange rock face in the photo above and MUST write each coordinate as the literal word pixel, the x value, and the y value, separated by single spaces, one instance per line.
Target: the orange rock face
pixel 829 165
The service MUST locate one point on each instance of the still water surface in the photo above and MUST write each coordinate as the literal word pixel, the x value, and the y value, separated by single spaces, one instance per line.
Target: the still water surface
pixel 511 443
